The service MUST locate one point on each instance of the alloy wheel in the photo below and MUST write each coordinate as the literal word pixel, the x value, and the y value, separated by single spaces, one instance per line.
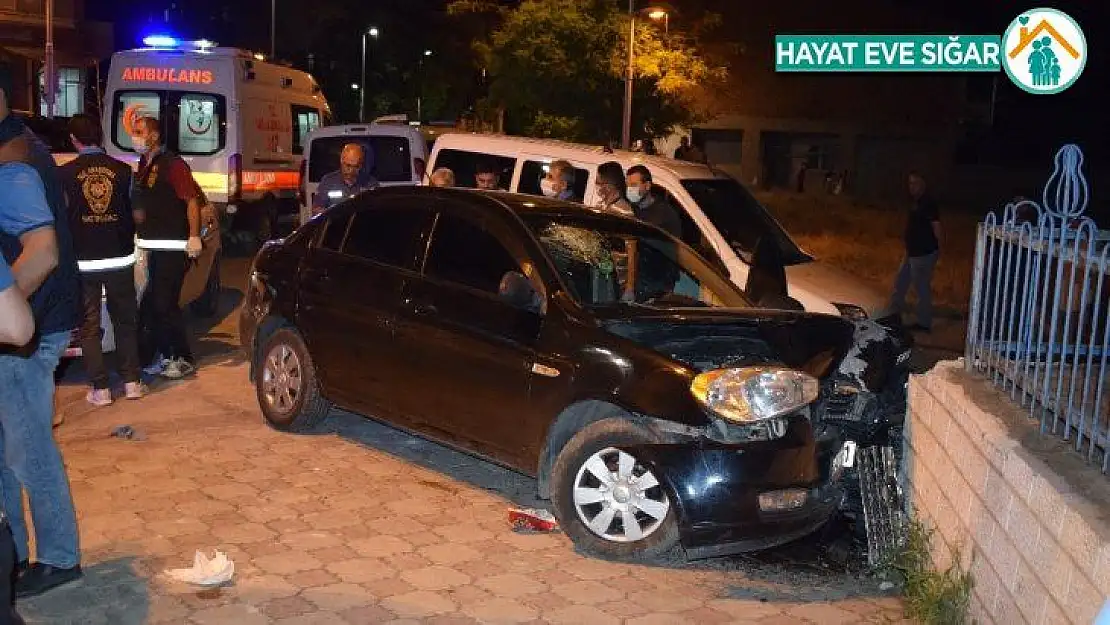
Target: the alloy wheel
pixel 618 498
pixel 282 379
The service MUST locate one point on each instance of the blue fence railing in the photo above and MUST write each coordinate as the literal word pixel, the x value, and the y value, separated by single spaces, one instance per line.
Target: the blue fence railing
pixel 1039 325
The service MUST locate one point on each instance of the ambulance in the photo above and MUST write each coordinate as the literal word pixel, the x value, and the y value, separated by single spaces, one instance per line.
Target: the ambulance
pixel 237 119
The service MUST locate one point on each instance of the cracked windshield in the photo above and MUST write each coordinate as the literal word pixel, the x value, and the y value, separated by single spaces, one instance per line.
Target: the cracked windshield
pixel 602 265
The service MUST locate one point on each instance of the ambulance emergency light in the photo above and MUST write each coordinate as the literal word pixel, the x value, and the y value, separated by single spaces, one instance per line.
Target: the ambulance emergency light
pixel 168 42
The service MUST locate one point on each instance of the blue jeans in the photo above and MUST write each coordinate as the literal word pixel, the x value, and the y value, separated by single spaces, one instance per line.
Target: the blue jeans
pixel 30 457
pixel 917 270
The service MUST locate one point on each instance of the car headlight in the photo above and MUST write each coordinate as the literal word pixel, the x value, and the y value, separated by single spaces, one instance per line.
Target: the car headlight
pixel 751 394
pixel 852 312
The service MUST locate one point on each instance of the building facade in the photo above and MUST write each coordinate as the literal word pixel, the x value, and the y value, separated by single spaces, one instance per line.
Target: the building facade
pixel 80 46
pixel 859 133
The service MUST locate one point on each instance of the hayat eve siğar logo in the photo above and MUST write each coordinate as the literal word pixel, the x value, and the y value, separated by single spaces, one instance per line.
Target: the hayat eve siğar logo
pixel 1044 51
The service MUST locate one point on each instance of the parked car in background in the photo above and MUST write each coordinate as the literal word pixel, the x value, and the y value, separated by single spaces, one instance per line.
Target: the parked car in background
pixel 682 417
pixel 720 218
pixel 400 155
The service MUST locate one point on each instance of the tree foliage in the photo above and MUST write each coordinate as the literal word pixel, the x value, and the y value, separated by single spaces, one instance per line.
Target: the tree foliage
pixel 557 68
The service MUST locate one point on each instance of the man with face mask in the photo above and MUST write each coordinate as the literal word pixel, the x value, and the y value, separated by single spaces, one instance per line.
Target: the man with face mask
pixel 558 183
pixel 612 189
pixel 649 206
pixel 651 274
pixel 166 201
pixel 348 181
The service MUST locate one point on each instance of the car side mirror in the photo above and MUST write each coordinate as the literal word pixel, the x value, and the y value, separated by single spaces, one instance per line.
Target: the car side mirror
pixel 518 291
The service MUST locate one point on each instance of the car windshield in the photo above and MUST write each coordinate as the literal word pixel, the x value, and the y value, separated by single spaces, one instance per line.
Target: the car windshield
pixel 740 218
pixel 608 262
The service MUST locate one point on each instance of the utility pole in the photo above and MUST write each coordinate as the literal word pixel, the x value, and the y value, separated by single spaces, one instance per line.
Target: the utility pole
pixel 50 80
pixel 273 29
pixel 626 126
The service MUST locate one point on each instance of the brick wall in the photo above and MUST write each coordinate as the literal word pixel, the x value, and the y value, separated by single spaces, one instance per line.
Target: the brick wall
pixel 1029 516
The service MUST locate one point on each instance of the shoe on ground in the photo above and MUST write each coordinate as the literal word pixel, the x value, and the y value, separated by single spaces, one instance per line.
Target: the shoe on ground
pixel 99 397
pixel 39 578
pixel 179 369
pixel 134 390
pixel 156 367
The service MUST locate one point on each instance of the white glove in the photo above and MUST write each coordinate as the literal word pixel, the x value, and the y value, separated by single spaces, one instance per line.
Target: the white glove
pixel 194 247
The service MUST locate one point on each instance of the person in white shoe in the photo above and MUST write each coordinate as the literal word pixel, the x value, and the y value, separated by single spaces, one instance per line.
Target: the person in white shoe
pixel 167 207
pixel 98 196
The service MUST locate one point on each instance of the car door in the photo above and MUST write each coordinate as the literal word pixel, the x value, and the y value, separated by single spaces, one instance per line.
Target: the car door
pixel 469 348
pixel 380 252
pixel 321 314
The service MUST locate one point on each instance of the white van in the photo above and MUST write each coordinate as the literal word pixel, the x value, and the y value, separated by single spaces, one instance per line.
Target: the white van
pixel 720 217
pixel 239 121
pixel 400 155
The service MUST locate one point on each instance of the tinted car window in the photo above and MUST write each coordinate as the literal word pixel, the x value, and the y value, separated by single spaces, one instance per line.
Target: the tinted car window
pixel 464 253
pixel 534 171
pixel 388 235
pixel 392 161
pixel 465 167
pixel 334 229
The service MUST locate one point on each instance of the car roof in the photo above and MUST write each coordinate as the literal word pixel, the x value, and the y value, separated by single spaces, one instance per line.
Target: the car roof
pixel 554 149
pixel 365 130
pixel 518 203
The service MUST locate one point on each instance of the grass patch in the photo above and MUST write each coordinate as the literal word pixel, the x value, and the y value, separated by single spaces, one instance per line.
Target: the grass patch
pixel 866 240
pixel 932 597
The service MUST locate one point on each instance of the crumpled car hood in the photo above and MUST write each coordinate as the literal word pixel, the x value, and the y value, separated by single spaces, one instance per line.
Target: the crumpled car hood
pixel 715 338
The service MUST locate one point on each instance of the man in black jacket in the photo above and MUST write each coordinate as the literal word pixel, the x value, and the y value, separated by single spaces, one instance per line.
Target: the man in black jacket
pixel 98 194
pixel 167 210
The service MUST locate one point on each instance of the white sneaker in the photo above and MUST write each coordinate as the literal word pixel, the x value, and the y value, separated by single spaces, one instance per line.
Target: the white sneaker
pixel 134 390
pixel 99 397
pixel 178 369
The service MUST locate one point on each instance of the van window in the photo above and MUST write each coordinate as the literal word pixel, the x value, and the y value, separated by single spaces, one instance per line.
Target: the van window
pixel 465 167
pixel 305 120
pixel 193 124
pixel 534 171
pixel 391 162
pixel 198 127
pixel 741 219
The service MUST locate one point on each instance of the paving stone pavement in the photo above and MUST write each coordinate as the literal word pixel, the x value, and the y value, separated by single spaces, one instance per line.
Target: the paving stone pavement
pixel 362 524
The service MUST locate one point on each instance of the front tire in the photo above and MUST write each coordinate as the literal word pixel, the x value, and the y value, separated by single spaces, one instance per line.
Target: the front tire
pixel 285 381
pixel 608 501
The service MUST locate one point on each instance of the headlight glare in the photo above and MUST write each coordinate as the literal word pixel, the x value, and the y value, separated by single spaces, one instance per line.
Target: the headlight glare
pixel 751 394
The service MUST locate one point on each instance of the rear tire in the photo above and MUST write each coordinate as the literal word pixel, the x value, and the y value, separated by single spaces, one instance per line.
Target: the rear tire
pixel 285 381
pixel 631 493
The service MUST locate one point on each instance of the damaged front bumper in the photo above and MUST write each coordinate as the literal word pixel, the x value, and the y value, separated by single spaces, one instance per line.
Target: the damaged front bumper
pixel 733 498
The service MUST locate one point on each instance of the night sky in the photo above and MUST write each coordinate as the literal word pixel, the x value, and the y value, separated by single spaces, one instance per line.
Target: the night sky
pixel 1023 122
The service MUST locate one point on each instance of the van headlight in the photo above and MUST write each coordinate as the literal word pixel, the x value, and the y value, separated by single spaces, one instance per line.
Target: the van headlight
pixel 751 394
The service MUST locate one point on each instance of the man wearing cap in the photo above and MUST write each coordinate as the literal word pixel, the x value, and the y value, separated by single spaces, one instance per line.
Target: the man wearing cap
pixel 352 178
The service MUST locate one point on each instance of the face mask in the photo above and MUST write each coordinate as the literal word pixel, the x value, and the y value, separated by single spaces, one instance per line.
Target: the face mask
pixel 548 188
pixel 139 145
pixel 634 195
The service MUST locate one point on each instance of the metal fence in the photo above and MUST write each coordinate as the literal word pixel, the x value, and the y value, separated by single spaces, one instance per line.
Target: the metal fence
pixel 1039 324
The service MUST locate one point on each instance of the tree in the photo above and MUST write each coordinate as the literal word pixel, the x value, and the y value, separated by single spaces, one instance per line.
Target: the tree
pixel 557 69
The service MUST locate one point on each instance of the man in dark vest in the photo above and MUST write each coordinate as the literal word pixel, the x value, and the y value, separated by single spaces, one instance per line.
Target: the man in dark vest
pixel 35 240
pixel 167 215
pixel 98 192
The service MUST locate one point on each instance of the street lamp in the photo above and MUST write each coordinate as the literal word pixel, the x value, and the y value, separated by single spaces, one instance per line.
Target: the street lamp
pixel 654 13
pixel 420 88
pixel 371 32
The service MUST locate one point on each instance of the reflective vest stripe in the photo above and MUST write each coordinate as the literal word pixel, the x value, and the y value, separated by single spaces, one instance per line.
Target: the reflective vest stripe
pixel 103 264
pixel 161 244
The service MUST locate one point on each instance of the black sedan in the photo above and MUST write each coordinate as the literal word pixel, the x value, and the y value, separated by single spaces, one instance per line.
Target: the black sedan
pixel 657 408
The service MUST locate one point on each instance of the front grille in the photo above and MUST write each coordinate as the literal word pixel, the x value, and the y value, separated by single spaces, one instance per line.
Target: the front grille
pixel 884 512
